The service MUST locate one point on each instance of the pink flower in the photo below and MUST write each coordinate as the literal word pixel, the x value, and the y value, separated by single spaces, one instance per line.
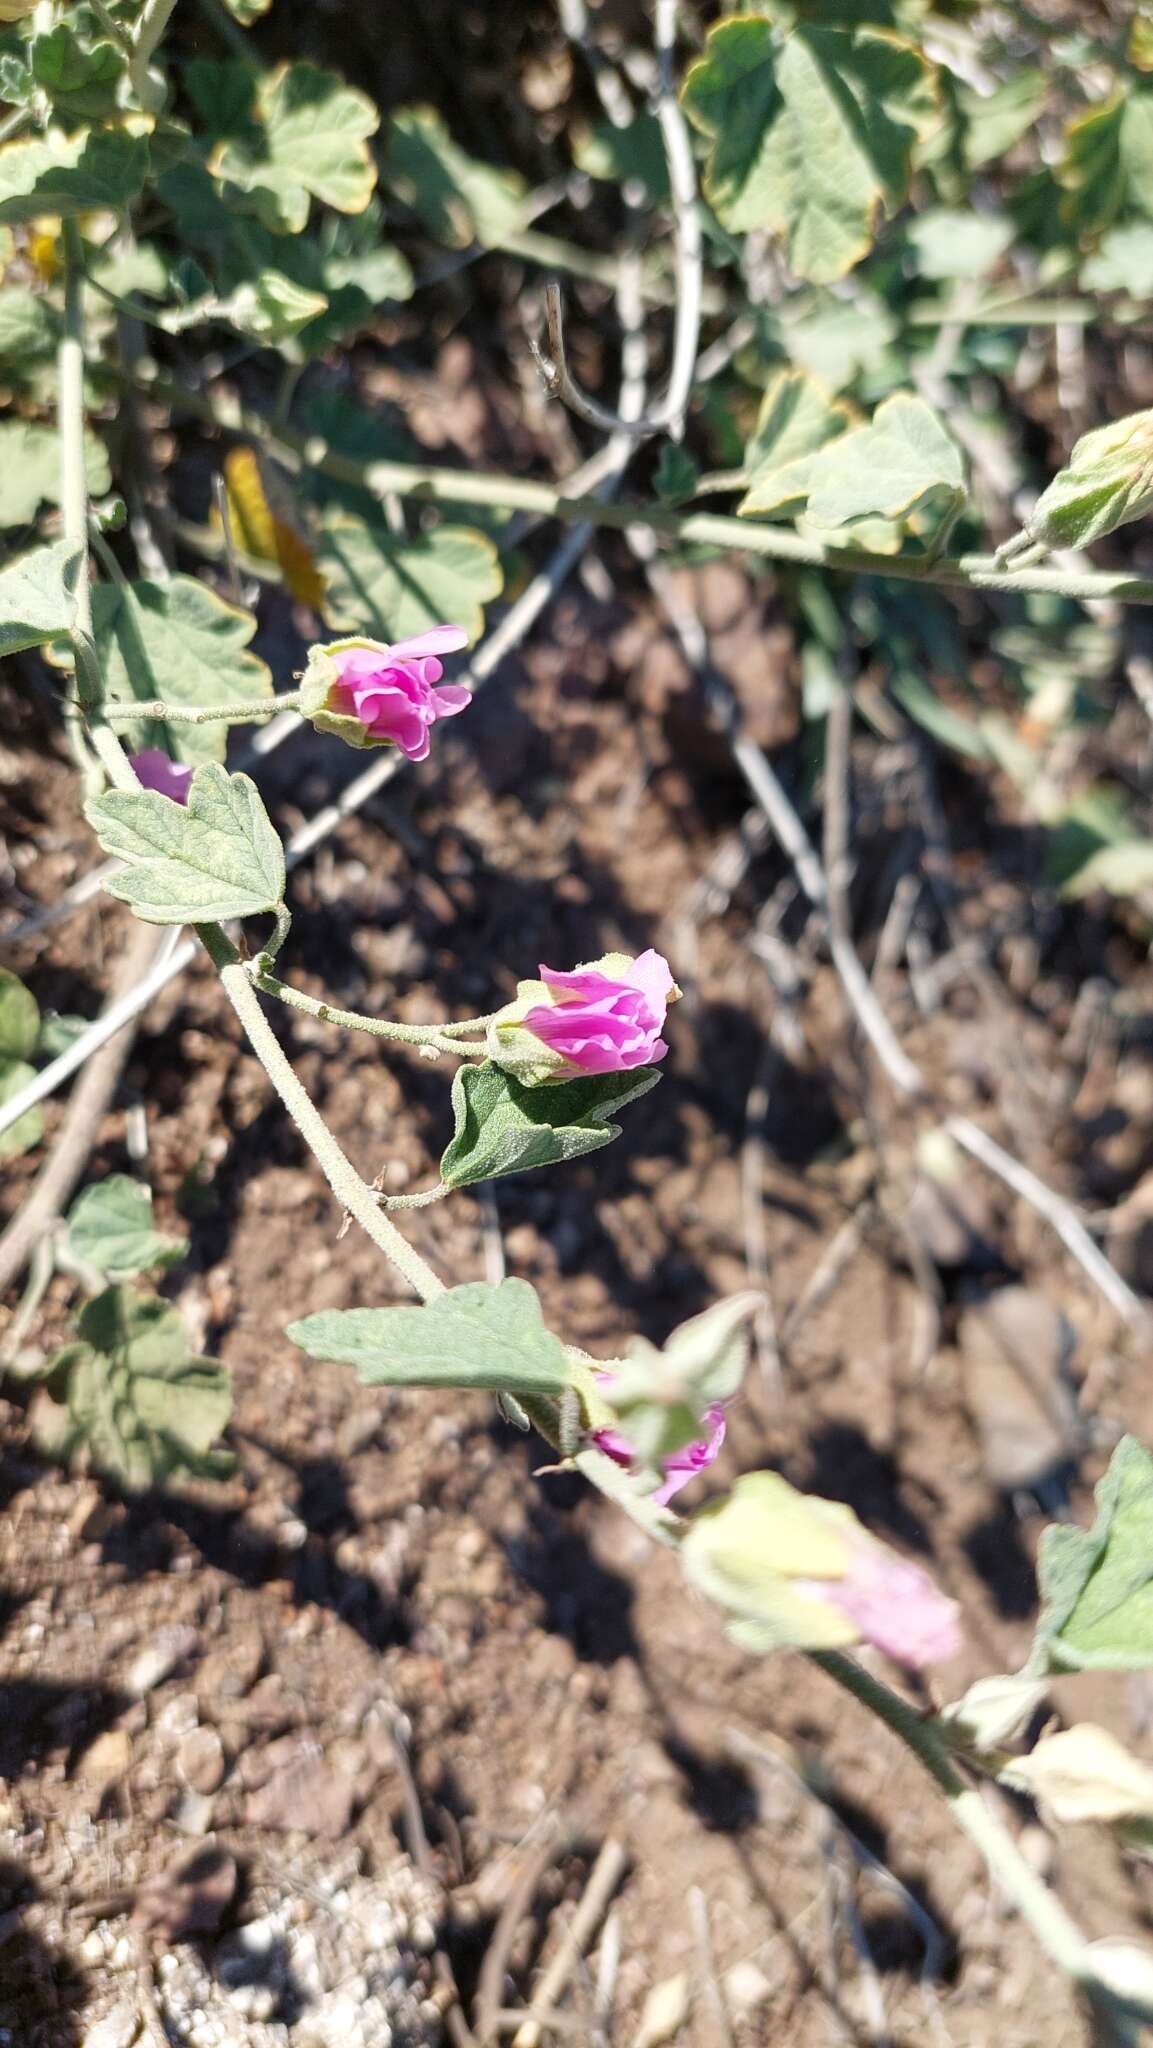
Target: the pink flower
pixel 680 1466
pixel 605 1023
pixel 894 1604
pixel 157 770
pixel 392 690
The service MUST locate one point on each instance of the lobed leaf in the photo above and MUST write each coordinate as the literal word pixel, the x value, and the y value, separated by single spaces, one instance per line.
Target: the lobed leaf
pixel 96 170
pixel 470 1336
pixel 504 1128
pixel 381 583
pixel 458 199
pixel 142 1403
pixel 886 470
pixel 217 857
pixel 307 140
pixel 797 417
pixel 37 596
pixel 812 134
pixel 1097 1584
pixel 177 640
pixel 110 1227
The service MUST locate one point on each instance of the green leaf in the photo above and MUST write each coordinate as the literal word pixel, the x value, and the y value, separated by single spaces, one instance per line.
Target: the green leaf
pixel 886 470
pixel 30 470
pixel 29 327
pixel 247 11
pixel 270 308
pixel 458 199
pixel 81 83
pixel 96 170
pixel 995 121
pixel 950 727
pixel 218 857
pixel 180 641
pixel 950 243
pixel 19 1018
pixel 110 1227
pixel 1125 869
pixel 27 1129
pixel 307 141
pixel 622 155
pixel 1108 163
pixel 1123 262
pixel 37 596
pixel 145 1407
pixel 504 1128
pixel 796 418
pixel 391 587
pixel 1097 1584
pixel 838 343
pixel 1106 483
pixel 676 476
pixel 812 136
pixel 470 1336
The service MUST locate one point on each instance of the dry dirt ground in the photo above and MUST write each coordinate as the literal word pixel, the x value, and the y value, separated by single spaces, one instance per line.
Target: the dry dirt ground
pixel 229 1669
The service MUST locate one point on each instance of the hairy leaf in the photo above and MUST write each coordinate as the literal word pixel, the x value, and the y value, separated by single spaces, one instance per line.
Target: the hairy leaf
pixel 30 469
pixel 110 1227
pixel 218 857
pixel 307 141
pixel 144 1406
pixel 459 199
pixel 391 587
pixel 19 1018
pixel 95 170
pixel 504 1128
pixel 180 641
pixel 470 1336
pixel 812 135
pixel 887 469
pixel 37 596
pixel 80 82
pixel 27 1129
pixel 1097 1584
pixel 796 418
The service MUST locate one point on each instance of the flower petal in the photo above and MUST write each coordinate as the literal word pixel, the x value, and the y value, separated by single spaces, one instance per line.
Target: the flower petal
pixel 434 640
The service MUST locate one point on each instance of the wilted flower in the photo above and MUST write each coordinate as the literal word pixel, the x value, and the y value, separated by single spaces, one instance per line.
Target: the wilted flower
pixel 376 695
pixel 605 1023
pixel 157 770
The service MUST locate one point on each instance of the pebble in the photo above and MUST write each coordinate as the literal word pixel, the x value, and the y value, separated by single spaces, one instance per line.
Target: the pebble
pixel 159 1659
pixel 200 1760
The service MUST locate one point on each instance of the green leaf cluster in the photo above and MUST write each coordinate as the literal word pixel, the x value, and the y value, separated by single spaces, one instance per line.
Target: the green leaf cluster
pixel 129 1390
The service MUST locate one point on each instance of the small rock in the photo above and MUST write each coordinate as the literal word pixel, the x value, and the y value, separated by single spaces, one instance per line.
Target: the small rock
pixel 159 1659
pixel 118 2029
pixel 193 1815
pixel 308 1795
pixel 1016 1349
pixel 200 1760
pixel 746 1987
pixel 106 1760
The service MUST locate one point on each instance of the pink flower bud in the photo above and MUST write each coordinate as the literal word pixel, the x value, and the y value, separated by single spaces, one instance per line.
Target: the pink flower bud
pixel 680 1466
pixel 157 770
pixel 377 695
pixel 605 1023
pixel 894 1605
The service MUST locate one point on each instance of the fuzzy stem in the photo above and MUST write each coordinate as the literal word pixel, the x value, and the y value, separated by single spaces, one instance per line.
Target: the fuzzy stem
pixel 431 484
pixel 151 92
pixel 379 1027
pixel 204 714
pixel 341 1175
pixel 1055 1929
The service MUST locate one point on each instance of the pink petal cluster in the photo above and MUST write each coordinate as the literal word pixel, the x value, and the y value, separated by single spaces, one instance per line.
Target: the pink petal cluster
pixel 605 1024
pixel 682 1465
pixel 157 770
pixel 393 691
pixel 894 1604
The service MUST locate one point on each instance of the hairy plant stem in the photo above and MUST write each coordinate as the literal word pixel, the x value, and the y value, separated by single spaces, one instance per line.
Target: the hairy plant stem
pixel 252 713
pixel 150 92
pixel 1055 1929
pixel 427 482
pixel 443 1037
pixel 74 504
pixel 341 1175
